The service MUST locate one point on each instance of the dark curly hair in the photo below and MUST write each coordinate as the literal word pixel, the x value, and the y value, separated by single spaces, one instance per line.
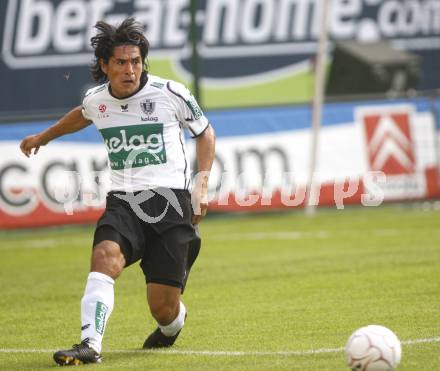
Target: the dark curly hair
pixel 129 32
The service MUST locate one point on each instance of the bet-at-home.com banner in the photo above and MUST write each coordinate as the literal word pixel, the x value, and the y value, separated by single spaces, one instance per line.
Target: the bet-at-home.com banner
pixel 369 153
pixel 254 52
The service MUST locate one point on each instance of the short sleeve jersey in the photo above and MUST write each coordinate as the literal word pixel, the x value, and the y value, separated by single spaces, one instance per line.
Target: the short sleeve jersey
pixel 143 133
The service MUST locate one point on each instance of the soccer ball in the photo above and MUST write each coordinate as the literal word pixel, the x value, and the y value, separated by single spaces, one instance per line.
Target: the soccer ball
pixel 373 348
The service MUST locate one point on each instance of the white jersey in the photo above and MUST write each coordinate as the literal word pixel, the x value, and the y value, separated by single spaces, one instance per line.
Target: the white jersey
pixel 143 133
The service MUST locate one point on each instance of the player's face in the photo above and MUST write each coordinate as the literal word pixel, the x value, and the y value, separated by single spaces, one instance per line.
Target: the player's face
pixel 124 70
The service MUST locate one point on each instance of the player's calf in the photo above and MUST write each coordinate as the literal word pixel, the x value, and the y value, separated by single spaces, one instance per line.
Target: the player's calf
pixel 165 336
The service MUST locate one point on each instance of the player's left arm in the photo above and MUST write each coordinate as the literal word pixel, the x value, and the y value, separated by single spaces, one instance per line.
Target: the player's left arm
pixel 205 150
pixel 191 116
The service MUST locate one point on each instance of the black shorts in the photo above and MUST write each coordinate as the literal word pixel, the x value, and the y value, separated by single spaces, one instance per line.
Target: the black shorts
pixel 156 231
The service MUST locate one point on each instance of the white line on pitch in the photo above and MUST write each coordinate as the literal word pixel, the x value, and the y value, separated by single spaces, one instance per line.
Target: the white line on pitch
pixel 223 353
pixel 287 235
pixel 296 235
pixel 46 243
pixel 419 341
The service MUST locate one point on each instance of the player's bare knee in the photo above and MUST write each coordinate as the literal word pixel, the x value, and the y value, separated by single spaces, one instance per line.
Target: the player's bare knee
pixel 164 312
pixel 163 315
pixel 107 258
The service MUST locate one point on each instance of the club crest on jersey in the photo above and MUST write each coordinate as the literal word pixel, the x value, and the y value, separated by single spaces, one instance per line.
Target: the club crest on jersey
pixel 147 106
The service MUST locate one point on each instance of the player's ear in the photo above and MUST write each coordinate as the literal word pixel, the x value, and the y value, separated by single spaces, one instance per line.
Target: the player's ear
pixel 103 65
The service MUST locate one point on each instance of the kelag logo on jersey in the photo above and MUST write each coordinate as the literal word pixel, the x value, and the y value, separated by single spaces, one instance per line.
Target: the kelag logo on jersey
pixel 147 140
pixel 282 34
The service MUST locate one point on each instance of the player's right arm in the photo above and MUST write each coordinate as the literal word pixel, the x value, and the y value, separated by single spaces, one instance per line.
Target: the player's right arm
pixel 70 123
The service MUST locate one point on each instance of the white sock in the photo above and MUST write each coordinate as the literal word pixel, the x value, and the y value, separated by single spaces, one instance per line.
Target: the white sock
pixel 176 325
pixel 96 307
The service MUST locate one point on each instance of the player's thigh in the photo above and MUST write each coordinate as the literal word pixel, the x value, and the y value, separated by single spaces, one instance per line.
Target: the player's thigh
pixel 108 251
pixel 119 223
pixel 173 243
pixel 166 257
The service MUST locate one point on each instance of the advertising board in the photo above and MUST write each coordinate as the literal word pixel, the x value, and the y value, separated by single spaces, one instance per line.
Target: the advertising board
pixel 253 52
pixel 369 153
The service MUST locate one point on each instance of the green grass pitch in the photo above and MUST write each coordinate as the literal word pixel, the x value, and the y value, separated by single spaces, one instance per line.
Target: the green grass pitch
pixel 262 285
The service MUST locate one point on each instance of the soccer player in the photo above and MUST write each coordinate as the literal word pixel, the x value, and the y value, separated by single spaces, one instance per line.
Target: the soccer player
pixel 150 215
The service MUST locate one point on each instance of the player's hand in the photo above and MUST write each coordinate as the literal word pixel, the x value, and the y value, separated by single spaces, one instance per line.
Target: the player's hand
pixel 31 142
pixel 199 200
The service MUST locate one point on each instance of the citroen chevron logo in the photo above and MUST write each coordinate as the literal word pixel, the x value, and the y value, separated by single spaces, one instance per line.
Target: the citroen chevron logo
pixel 389 142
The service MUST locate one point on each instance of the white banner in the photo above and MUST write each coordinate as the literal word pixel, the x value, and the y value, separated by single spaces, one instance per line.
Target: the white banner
pixel 387 152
